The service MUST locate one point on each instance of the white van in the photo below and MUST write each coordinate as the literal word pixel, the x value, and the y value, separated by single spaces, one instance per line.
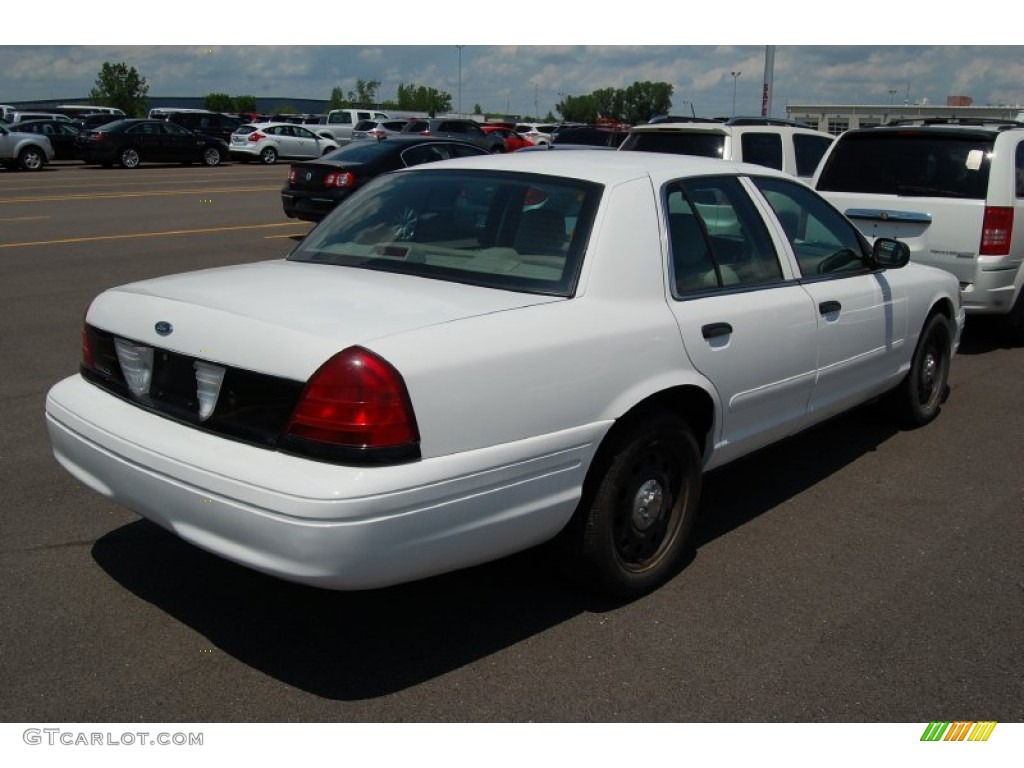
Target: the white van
pixel 340 122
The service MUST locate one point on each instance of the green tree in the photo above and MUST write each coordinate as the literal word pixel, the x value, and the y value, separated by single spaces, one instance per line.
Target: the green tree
pixel 365 94
pixel 419 98
pixel 121 86
pixel 642 101
pixel 337 100
pixel 245 103
pixel 637 103
pixel 219 102
pixel 477 109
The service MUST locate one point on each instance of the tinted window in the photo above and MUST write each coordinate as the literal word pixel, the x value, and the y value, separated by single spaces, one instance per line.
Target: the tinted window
pixel 823 241
pixel 809 150
pixel 762 149
pixel 1019 172
pixel 676 142
pixel 512 231
pixel 717 238
pixel 911 163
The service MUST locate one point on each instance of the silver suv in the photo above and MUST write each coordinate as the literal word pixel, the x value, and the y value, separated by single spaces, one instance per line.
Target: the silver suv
pixel 781 144
pixel 24 151
pixel 951 192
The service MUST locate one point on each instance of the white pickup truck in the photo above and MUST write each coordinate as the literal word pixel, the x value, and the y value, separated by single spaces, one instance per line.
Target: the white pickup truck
pixel 340 122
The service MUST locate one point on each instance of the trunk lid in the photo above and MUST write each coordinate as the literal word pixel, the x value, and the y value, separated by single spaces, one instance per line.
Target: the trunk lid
pixel 286 318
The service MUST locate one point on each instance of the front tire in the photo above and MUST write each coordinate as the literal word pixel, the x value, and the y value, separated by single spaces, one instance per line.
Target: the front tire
pixel 919 398
pixel 31 159
pixel 211 157
pixel 640 507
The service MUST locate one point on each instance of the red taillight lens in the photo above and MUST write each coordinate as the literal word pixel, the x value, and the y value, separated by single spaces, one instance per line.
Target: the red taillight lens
pixel 87 358
pixel 256 136
pixel 996 231
pixel 340 179
pixel 355 400
pixel 97 137
pixel 291 175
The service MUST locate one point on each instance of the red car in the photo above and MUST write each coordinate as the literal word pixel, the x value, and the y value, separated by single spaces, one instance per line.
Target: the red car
pixel 513 140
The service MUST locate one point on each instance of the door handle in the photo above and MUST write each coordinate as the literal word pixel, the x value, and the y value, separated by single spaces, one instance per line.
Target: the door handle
pixel 714 330
pixel 828 307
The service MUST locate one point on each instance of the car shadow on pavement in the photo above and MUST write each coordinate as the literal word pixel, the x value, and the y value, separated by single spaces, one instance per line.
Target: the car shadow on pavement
pixel 361 645
pixel 984 334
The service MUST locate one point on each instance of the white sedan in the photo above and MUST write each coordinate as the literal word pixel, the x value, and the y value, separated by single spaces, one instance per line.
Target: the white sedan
pixel 268 142
pixel 471 357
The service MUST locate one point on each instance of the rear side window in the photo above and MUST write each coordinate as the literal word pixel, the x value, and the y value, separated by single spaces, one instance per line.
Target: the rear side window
pixel 717 237
pixel 910 164
pixel 762 149
pixel 809 150
pixel 677 143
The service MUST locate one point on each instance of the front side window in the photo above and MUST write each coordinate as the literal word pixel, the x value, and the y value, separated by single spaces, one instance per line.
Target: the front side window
pixel 717 238
pixel 823 242
pixel 511 231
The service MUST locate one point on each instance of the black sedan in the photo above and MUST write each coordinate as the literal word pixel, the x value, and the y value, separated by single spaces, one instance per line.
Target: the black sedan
pixel 314 188
pixel 61 134
pixel 131 142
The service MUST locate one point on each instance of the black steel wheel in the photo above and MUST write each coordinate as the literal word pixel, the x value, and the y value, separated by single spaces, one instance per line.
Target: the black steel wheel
pixel 920 396
pixel 639 513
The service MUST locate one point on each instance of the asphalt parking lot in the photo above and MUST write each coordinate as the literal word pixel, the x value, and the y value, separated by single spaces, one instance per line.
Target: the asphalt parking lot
pixel 854 573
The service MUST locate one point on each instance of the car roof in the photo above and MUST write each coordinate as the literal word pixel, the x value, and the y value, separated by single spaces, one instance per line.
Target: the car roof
pixel 724 128
pixel 601 166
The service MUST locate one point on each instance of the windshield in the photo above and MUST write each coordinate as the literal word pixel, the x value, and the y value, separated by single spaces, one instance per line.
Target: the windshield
pixel 512 231
pixel 909 163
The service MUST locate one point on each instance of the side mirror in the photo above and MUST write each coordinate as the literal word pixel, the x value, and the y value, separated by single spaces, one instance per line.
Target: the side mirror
pixel 887 253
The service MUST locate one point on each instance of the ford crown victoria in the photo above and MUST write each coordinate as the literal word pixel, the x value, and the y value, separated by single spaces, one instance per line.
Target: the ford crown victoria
pixel 472 357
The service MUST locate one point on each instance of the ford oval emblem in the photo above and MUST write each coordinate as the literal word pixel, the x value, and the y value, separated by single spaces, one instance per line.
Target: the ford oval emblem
pixel 163 328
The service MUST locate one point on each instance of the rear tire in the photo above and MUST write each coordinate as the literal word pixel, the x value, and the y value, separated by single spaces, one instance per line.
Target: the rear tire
pixel 635 518
pixel 129 158
pixel 919 397
pixel 268 156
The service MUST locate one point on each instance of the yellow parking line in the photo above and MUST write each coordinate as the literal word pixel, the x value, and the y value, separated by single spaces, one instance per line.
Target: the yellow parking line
pixel 26 218
pixel 97 238
pixel 117 195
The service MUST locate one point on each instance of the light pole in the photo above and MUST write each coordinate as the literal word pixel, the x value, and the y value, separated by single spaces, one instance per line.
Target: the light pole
pixel 460 47
pixel 735 76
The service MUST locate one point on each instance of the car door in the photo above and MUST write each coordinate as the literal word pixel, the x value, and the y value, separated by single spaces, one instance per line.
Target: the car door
pixel 306 142
pixel 148 139
pixel 181 144
pixel 861 317
pixel 745 321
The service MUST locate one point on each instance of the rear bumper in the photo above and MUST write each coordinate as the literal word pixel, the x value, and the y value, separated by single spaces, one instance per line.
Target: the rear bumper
pixel 997 281
pixel 308 206
pixel 340 527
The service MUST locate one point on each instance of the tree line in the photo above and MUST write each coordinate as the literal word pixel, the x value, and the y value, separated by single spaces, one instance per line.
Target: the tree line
pixel 119 85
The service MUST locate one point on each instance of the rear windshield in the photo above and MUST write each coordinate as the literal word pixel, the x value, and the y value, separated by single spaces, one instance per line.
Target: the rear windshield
pixel 701 144
pixel 909 163
pixel 512 231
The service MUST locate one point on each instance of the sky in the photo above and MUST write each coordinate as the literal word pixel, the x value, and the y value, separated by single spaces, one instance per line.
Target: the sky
pixel 532 76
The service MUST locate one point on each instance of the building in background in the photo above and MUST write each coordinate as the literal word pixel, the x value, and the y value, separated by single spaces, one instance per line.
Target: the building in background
pixel 836 118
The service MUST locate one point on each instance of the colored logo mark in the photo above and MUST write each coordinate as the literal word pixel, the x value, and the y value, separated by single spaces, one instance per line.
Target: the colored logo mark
pixel 958 731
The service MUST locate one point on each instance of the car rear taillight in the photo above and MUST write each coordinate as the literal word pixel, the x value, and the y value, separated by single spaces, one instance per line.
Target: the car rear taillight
pixel 340 179
pixel 996 231
pixel 256 136
pixel 355 401
pixel 98 136
pixel 291 175
pixel 87 359
pixel 377 133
